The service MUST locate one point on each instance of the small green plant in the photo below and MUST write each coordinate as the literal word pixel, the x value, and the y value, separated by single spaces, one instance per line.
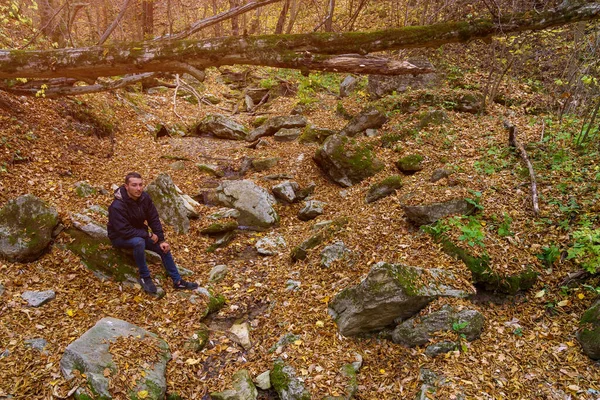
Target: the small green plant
pixel 518 332
pixel 457 326
pixel 267 83
pixel 436 229
pixel 549 255
pixel 504 228
pixel 476 200
pixel 595 290
pixel 586 249
pixel 472 233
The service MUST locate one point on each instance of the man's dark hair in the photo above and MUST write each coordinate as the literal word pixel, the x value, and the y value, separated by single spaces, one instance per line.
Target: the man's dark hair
pixel 132 175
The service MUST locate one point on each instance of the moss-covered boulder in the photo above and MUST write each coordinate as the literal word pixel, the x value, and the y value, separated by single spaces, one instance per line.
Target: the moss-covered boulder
pixel 384 188
pixel 220 126
pixel 171 207
pixel 346 161
pixel 211 169
pixel 589 335
pixel 243 388
pixel 273 125
pixel 287 134
pixel 435 118
pixel 219 227
pixel 84 189
pixel 410 164
pixel 313 134
pixel 90 356
pixel 286 384
pixel 253 202
pixel 429 213
pixel 265 163
pixel 388 293
pixel 27 227
pixel 324 233
pixel 199 339
pixel 369 118
pixel 381 85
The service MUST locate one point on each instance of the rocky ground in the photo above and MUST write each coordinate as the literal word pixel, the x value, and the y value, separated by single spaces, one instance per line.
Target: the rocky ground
pixel 527 349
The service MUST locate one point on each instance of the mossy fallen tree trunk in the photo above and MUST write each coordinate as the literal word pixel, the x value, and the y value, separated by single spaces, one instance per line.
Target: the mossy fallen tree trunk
pixel 335 52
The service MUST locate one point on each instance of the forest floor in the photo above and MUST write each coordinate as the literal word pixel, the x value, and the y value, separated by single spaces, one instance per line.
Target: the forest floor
pixel 528 348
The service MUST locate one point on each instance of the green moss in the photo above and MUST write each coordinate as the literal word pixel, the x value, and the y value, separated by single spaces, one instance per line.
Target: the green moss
pixel 311 134
pixel 215 303
pixel 279 379
pixel 592 315
pixel 258 121
pixel 219 227
pixel 406 278
pixel 358 156
pixel 410 163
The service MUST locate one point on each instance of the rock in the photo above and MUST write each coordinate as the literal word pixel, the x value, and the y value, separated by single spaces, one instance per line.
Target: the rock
pixel 27 226
pixel 311 210
pixel 243 388
pixel 334 252
pixel 589 335
pixel 348 85
pixel 242 333
pixel 345 161
pixel 270 245
pixel 384 188
pixel 417 331
pixel 273 125
pixel 4 353
pixel 214 302
pixel 439 174
pixel 286 191
pixel 199 339
pixel 277 177
pixel 211 169
pixel 312 134
pixel 263 381
pixel 263 164
pixel 169 203
pixel 430 213
pixel 2 289
pixel 212 99
pixel 89 355
pixel 381 85
pixel 262 143
pixel 469 102
pixel 89 226
pixel 286 384
pixel 256 94
pixel 410 164
pixel 305 192
pixel 369 118
pixel 371 132
pixel 37 344
pixel 292 285
pixel 84 189
pixel 388 293
pixel 222 127
pixel 435 117
pixel 300 252
pixel 224 213
pixel 283 341
pixel 349 372
pixel 253 202
pixel 219 227
pixel 37 299
pixel 190 205
pixel 287 134
pixel 442 347
pixel 218 273
pixel 177 165
pixel 221 240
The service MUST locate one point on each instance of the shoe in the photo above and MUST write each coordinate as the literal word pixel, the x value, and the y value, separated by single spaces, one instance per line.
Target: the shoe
pixel 148 285
pixel 183 285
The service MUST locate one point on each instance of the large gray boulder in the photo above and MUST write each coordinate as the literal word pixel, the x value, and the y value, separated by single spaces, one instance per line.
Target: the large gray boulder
pixel 286 384
pixel 430 213
pixel 346 161
pixel 253 202
pixel 417 331
pixel 381 85
pixel 87 224
pixel 90 356
pixel 27 226
pixel 169 203
pixel 389 292
pixel 243 388
pixel 348 85
pixel 369 118
pixel 222 127
pixel 273 125
pixel 382 189
pixel 286 191
pixel 589 335
pixel 37 299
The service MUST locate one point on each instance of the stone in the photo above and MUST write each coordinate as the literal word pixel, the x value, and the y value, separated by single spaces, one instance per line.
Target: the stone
pixel 243 388
pixel 382 189
pixel 219 227
pixel 371 132
pixel 222 127
pixel 312 134
pixel 589 334
pixel 224 213
pixel 273 125
pixel 253 202
pixel 348 86
pixel 263 381
pixel 286 339
pixel 27 227
pixel 334 252
pixel 210 169
pixel 435 117
pixel 381 85
pixel 218 273
pixel 190 205
pixel 410 164
pixel 369 118
pixel 84 189
pixel 221 240
pixel 177 165
pixel 417 332
pixel 89 226
pixel 2 289
pixel 242 333
pixel 4 353
pixel 287 134
pixel 270 245
pixel 389 292
pixel 199 339
pixel 347 162
pixel 89 355
pixel 263 164
pixel 323 234
pixel 286 384
pixel 430 213
pixel 37 344
pixel 169 203
pixel 286 191
pixel 37 299
pixel 439 174
pixel 306 191
pixel 292 285
pixel 442 347
pixel 311 210
pixel 262 143
pixel 469 102
pixel 213 302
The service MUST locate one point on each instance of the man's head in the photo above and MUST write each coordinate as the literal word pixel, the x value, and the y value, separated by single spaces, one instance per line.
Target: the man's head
pixel 134 185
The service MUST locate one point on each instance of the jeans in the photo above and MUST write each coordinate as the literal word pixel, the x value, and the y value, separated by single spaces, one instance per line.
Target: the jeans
pixel 139 245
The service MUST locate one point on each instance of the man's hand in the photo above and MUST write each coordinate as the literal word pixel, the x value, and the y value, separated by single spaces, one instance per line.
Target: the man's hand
pixel 154 238
pixel 165 247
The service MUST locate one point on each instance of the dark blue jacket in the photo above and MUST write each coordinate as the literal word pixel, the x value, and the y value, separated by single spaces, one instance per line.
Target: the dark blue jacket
pixel 127 218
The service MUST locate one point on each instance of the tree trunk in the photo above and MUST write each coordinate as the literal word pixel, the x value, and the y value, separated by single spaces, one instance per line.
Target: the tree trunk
pixel 218 23
pixel 147 19
pixel 329 20
pixel 235 28
pixel 282 17
pixel 293 15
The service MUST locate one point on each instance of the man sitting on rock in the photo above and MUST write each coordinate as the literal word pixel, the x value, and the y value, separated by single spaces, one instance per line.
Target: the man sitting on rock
pixel 128 214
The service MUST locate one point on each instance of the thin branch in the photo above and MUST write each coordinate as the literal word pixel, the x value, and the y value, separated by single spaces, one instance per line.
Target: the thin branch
pixel 43 27
pixel 114 24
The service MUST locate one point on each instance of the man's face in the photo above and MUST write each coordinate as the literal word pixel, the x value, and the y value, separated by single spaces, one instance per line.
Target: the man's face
pixel 135 187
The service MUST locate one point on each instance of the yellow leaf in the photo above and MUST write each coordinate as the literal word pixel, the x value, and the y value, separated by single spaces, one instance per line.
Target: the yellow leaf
pixel 70 312
pixel 581 296
pixel 138 299
pixel 382 371
pixel 320 324
pixel 192 361
pixel 563 303
pixel 298 342
pixel 325 299
pixel 574 388
pixel 142 394
pixel 539 294
pixel 250 290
